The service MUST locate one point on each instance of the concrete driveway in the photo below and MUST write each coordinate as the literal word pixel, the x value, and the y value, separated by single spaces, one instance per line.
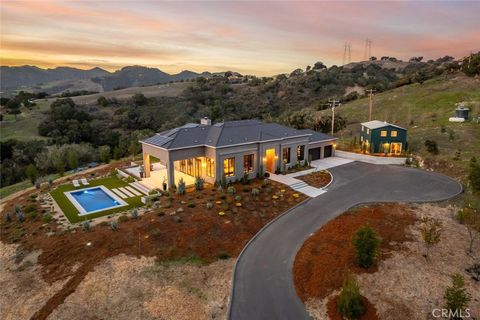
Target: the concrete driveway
pixel 262 283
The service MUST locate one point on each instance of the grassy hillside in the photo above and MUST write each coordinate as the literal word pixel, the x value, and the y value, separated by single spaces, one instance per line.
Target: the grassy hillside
pixel 24 127
pixel 424 109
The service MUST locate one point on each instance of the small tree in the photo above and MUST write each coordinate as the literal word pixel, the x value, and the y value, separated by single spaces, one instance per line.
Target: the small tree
pixel 474 175
pixel 470 218
pixel 456 296
pixel 32 173
pixel 366 244
pixel 104 153
pixel 431 232
pixel 349 301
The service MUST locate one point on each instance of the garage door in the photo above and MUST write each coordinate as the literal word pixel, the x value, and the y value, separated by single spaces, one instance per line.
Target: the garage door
pixel 327 151
pixel 314 154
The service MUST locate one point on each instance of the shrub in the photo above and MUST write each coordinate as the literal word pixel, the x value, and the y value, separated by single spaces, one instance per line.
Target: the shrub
pixel 266 182
pixel 255 192
pixel 37 184
pixel 181 187
pixel 432 146
pixel 224 182
pixel 223 255
pixel 123 218
pixel 86 226
pixel 349 301
pixel 366 244
pixel 238 198
pixel 20 216
pixel 191 205
pixel 47 218
pixel 114 225
pixel 231 190
pixel 134 213
pixel 50 182
pixel 199 181
pixel 155 232
pixel 209 205
pixel 456 297
pixel 246 189
pixel 32 215
pixel 268 190
pixel 8 217
pixel 29 208
pixel 245 178
pixel 474 271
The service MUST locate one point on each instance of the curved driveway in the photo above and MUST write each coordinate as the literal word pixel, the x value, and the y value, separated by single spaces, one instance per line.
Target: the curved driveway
pixel 263 284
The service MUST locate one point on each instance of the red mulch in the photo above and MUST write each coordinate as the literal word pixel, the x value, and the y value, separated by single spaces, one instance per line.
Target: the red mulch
pixel 317 179
pixel 327 257
pixel 334 314
pixel 197 231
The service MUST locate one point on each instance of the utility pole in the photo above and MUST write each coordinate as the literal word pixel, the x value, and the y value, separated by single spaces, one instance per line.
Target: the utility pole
pixel 367 53
pixel 333 103
pixel 370 103
pixel 347 53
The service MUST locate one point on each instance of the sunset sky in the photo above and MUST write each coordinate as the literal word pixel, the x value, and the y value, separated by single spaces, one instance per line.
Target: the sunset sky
pixel 262 38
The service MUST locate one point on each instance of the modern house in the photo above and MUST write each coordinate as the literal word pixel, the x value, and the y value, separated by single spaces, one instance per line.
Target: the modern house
pixel 230 148
pixel 382 137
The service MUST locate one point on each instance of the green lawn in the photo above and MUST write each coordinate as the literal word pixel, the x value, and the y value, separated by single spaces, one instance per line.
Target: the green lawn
pixel 25 126
pixel 72 213
pixel 8 190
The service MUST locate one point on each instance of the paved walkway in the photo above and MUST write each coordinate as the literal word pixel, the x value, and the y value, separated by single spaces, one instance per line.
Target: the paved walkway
pixel 301 186
pixel 263 286
pixel 369 159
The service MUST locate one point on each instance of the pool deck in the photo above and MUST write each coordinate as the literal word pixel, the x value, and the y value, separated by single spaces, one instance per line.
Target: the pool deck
pixel 82 211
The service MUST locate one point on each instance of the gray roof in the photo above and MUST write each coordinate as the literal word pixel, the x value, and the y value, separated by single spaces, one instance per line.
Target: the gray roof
pixel 227 133
pixel 375 124
pixel 317 136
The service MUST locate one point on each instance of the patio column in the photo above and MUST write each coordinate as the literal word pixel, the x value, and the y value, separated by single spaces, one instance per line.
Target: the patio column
pixel 146 164
pixel 170 173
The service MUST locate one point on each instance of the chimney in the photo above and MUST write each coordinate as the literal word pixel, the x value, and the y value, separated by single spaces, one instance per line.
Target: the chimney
pixel 206 121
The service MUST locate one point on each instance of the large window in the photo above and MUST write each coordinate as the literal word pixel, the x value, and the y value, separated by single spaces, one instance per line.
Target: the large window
pixel 229 167
pixel 286 155
pixel 393 133
pixel 183 166
pixel 300 153
pixel 248 163
pixel 210 167
pixel 383 133
pixel 190 167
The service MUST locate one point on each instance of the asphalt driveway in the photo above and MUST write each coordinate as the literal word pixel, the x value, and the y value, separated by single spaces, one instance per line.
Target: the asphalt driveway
pixel 263 284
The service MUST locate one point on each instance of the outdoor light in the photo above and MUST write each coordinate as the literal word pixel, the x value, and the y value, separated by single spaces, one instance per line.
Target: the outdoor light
pixel 264 159
pixel 276 157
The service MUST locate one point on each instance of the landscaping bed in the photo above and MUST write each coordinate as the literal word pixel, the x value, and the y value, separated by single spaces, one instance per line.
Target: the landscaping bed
pixel 402 282
pixel 177 228
pixel 317 179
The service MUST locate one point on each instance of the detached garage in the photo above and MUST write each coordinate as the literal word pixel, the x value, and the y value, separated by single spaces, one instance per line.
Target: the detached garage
pixel 320 145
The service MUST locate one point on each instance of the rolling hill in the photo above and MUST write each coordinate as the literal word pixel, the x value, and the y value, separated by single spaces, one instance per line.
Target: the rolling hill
pixel 424 110
pixel 60 79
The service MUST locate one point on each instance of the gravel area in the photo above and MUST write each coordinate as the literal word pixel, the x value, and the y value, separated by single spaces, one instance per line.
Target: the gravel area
pixel 126 287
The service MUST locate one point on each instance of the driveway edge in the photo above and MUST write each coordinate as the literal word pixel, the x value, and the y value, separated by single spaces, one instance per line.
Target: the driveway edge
pixel 232 290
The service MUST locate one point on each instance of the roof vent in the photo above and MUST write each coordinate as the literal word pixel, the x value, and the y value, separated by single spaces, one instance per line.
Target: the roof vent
pixel 206 121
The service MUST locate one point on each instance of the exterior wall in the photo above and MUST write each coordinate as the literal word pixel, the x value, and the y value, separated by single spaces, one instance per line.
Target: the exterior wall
pixel 237 152
pixel 378 141
pixel 293 145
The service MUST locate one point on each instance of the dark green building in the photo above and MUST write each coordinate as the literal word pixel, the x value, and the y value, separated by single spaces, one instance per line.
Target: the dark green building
pixel 382 137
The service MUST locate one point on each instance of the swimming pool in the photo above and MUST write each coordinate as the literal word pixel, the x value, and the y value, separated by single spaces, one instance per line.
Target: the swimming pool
pixel 94 199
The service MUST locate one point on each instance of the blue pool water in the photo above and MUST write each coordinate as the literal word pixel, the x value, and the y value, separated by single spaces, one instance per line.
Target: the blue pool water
pixel 94 199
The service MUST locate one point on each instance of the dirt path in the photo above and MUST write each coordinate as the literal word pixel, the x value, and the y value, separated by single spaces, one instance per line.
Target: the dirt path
pixel 60 296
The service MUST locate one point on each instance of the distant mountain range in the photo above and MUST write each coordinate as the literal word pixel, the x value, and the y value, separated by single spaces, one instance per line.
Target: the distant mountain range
pixel 57 80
